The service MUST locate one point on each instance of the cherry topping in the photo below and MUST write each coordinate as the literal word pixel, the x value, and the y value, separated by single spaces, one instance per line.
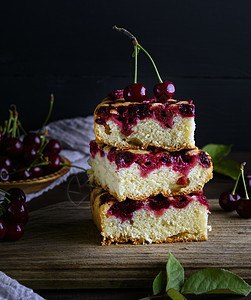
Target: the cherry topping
pixel 229 202
pixel 6 163
pixel 13 147
pixel 124 210
pixel 53 146
pixel 14 231
pixel 32 139
pixel 2 229
pixel 244 208
pixel 17 212
pixel 135 92
pixel 16 194
pixel 118 94
pixel 164 90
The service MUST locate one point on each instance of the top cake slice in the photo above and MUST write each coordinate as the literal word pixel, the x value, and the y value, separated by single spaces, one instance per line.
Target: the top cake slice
pixel 136 125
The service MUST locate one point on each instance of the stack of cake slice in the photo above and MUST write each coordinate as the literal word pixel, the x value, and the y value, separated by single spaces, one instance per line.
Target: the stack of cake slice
pixel 148 173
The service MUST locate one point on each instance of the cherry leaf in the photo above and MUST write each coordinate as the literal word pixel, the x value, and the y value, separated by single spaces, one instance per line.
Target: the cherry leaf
pixel 227 167
pixel 159 283
pixel 215 281
pixel 217 151
pixel 175 273
pixel 175 295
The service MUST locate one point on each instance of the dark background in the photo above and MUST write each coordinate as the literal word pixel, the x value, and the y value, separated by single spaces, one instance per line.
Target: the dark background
pixel 69 48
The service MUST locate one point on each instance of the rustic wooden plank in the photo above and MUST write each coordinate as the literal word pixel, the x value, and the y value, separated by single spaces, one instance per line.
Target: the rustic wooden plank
pixel 61 249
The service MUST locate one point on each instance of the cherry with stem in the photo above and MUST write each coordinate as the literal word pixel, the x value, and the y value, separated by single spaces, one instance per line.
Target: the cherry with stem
pixel 48 115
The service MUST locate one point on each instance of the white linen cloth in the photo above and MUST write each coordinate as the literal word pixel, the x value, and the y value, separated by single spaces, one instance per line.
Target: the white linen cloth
pixel 75 136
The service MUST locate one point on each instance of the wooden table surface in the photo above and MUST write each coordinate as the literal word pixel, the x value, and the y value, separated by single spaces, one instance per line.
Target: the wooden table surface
pixel 60 254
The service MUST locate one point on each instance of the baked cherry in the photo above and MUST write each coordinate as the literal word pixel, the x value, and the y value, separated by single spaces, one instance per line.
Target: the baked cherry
pixel 228 201
pixel 135 92
pixel 6 163
pixel 4 174
pixel 32 139
pixel 14 231
pixel 17 212
pixel 164 90
pixel 36 171
pixel 53 146
pixel 16 194
pixel 2 229
pixel 13 147
pixel 118 94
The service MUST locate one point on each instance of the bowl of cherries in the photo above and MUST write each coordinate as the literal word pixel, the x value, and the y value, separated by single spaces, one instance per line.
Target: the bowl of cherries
pixel 28 160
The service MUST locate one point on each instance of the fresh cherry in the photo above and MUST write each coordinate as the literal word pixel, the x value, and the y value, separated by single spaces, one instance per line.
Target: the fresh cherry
pixel 23 174
pixel 4 174
pixel 135 92
pixel 54 162
pixel 29 153
pixel 36 171
pixel 14 231
pixel 16 194
pixel 164 90
pixel 13 147
pixel 229 202
pixel 2 229
pixel 244 208
pixel 32 139
pixel 17 212
pixel 6 163
pixel 53 146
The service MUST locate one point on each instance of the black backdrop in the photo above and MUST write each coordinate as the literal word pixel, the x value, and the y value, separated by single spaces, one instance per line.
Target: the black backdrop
pixel 69 48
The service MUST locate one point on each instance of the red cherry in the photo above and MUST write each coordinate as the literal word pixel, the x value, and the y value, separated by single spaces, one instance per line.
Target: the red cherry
pixel 53 147
pixel 29 153
pixel 36 171
pixel 23 174
pixel 6 163
pixel 16 194
pixel 244 208
pixel 229 202
pixel 2 229
pixel 32 139
pixel 135 92
pixel 17 212
pixel 4 174
pixel 13 147
pixel 14 231
pixel 54 162
pixel 118 94
pixel 164 90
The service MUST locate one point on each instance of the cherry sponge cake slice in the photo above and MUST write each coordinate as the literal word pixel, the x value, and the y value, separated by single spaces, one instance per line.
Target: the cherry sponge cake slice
pixel 138 174
pixel 136 125
pixel 155 220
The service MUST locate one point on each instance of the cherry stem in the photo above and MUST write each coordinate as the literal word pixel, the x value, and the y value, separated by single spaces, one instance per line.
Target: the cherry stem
pixel 49 114
pixel 68 165
pixel 136 63
pixel 5 198
pixel 236 183
pixel 3 191
pixel 127 33
pixel 243 179
pixel 31 166
pixel 21 127
pixel 155 68
pixel 14 128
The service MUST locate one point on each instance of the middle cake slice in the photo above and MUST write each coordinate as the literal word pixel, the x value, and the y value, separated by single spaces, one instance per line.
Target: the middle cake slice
pixel 139 174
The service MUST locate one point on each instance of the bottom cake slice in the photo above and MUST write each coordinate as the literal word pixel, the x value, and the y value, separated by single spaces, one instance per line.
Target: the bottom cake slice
pixel 155 220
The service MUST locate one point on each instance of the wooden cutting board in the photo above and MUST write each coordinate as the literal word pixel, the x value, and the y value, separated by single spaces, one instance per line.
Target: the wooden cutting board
pixel 61 250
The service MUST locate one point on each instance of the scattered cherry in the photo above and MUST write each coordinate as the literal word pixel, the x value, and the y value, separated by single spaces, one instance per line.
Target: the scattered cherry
pixel 53 146
pixel 17 212
pixel 13 147
pixel 2 229
pixel 228 201
pixel 32 139
pixel 164 90
pixel 16 194
pixel 14 231
pixel 135 92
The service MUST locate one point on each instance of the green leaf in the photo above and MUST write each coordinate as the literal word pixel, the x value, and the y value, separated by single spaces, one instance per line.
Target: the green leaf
pixel 227 167
pixel 133 54
pixel 174 272
pixel 215 281
pixel 175 295
pixel 217 151
pixel 159 283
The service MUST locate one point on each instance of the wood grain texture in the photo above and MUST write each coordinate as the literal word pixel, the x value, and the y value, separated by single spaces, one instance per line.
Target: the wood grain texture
pixel 61 250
